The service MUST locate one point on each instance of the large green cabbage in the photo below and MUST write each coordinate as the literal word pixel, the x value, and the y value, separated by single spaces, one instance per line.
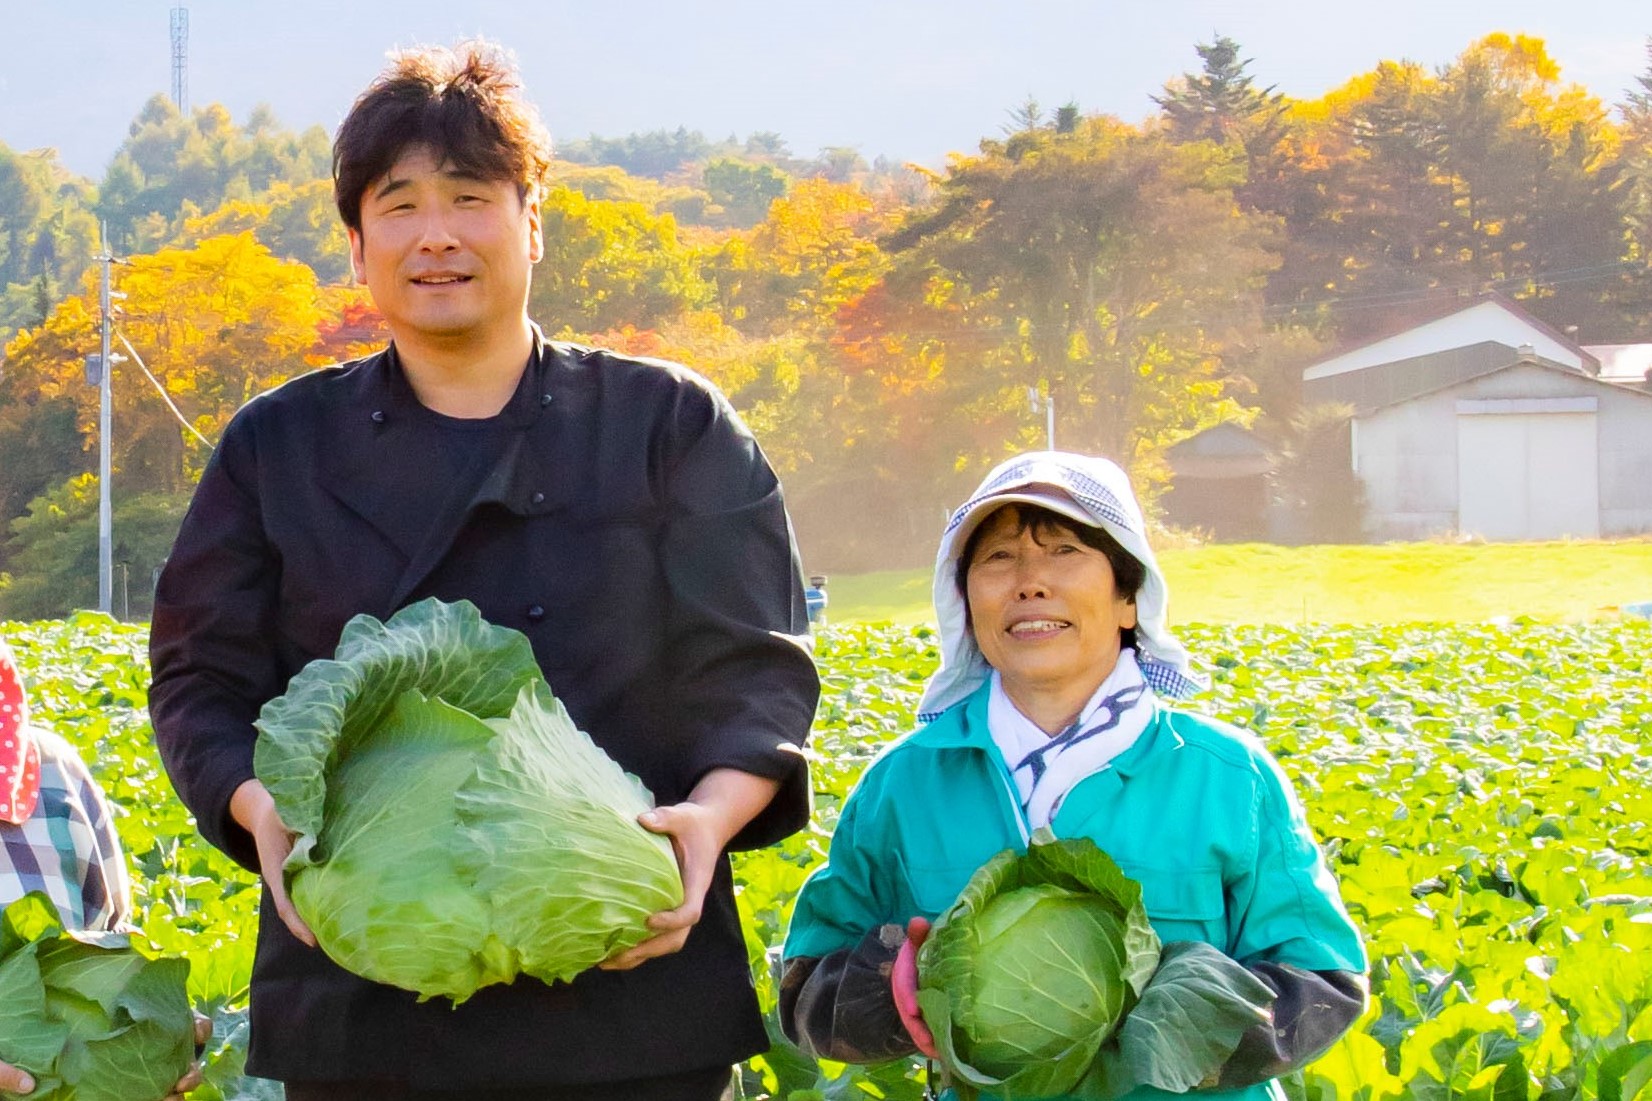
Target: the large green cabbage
pixel 1045 979
pixel 90 1015
pixel 454 827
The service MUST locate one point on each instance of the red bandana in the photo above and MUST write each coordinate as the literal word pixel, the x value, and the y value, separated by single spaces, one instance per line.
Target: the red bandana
pixel 19 757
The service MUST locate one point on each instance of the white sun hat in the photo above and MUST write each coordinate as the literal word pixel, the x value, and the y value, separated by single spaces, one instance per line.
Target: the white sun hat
pixel 1090 491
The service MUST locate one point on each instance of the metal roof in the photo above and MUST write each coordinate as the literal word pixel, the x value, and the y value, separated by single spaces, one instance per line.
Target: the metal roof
pixel 1385 384
pixel 1225 450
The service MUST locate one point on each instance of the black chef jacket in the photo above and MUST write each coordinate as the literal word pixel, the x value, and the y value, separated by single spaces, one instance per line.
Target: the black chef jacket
pixel 633 530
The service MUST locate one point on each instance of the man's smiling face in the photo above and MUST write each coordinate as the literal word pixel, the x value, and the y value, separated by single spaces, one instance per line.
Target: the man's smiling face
pixel 447 257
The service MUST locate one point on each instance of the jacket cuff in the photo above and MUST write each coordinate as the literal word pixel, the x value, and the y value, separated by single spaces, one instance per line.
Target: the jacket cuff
pixel 219 826
pixel 842 1006
pixel 788 811
pixel 1310 1013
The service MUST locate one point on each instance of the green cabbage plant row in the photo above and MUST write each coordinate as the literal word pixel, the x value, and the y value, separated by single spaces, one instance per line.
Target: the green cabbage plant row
pixel 1484 793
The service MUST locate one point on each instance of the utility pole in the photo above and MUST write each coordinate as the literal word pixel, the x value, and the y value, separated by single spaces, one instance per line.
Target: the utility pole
pixel 1045 402
pixel 106 525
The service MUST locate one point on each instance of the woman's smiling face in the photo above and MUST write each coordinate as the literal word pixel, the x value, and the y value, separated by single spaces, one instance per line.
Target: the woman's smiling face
pixel 1044 606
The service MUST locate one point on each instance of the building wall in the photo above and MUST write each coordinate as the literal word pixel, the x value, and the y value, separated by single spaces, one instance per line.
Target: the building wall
pixel 1486 321
pixel 1406 455
pixel 1230 509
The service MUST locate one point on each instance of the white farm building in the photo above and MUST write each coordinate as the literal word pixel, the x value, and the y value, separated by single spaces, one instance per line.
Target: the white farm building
pixel 1487 422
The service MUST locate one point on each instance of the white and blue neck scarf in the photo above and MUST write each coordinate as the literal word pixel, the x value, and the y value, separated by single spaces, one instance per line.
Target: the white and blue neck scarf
pixel 1047 766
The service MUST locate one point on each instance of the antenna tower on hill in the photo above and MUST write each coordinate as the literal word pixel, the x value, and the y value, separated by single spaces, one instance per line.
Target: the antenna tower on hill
pixel 180 59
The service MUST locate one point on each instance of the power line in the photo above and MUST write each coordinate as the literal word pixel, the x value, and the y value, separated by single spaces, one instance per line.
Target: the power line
pixel 1363 301
pixel 1379 299
pixel 161 390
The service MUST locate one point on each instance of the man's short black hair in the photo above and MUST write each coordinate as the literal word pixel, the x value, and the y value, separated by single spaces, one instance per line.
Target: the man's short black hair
pixel 464 104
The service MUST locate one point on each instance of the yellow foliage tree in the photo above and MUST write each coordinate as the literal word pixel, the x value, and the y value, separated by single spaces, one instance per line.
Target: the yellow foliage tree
pixel 294 221
pixel 214 324
pixel 608 264
pixel 814 253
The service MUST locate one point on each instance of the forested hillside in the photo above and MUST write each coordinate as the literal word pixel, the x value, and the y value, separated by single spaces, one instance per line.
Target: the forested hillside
pixel 878 325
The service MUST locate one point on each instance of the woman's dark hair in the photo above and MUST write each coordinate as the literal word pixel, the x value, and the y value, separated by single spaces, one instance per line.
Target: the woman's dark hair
pixel 1128 571
pixel 465 104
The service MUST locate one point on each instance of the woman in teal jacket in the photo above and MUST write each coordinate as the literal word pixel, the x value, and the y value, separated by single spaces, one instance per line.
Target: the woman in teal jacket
pixel 1046 712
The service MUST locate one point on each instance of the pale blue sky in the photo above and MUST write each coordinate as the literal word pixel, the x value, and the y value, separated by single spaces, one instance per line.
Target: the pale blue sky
pixel 910 79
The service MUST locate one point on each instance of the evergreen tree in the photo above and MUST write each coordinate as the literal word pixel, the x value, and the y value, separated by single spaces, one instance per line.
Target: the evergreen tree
pixel 1221 102
pixel 1637 108
pixel 1223 105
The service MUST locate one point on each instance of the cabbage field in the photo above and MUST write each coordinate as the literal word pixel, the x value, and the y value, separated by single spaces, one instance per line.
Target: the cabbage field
pixel 1484 794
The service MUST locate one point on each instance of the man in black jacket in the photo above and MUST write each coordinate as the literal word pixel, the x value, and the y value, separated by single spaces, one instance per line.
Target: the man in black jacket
pixel 614 510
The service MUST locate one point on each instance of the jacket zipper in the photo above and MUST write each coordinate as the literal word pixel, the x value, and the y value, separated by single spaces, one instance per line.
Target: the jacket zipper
pixel 1016 810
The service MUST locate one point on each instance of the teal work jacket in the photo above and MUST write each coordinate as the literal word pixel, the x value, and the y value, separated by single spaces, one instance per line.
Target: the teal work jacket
pixel 1195 810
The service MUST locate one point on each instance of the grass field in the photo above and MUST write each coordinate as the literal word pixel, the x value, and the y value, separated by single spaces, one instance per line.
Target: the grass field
pixel 1391 583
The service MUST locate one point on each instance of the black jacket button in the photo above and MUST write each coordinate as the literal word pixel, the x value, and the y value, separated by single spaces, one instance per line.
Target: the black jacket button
pixel 378 416
pixel 536 612
pixel 538 498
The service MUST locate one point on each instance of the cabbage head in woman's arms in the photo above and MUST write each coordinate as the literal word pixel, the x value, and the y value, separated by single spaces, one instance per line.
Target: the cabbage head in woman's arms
pixel 1046 979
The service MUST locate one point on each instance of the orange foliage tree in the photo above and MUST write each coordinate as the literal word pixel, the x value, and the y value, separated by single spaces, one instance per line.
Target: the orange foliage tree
pixel 215 325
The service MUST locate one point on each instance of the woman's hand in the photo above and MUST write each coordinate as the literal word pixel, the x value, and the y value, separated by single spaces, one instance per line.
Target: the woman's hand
pixel 203 1033
pixel 904 981
pixel 254 809
pixel 15 1079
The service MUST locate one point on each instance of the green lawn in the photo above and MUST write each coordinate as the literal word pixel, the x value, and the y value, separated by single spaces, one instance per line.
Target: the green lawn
pixel 1392 583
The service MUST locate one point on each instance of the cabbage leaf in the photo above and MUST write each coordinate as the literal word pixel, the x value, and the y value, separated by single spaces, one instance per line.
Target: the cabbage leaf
pixel 1189 1019
pixel 91 1016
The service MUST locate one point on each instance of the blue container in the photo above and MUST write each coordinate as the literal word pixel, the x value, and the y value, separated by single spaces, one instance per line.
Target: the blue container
pixel 814 598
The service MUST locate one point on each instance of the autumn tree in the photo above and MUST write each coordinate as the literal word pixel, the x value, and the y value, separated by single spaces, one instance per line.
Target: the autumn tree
pixel 1493 174
pixel 610 183
pixel 609 264
pixel 1413 185
pixel 1111 268
pixel 351 326
pixel 294 221
pixel 215 325
pixel 1396 202
pixel 815 250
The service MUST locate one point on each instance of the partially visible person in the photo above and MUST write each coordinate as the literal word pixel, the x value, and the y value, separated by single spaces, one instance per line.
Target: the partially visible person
pixel 1048 712
pixel 56 835
pixel 56 832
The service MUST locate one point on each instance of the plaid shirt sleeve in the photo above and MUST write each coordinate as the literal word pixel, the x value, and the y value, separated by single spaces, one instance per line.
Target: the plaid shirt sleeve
pixel 68 847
